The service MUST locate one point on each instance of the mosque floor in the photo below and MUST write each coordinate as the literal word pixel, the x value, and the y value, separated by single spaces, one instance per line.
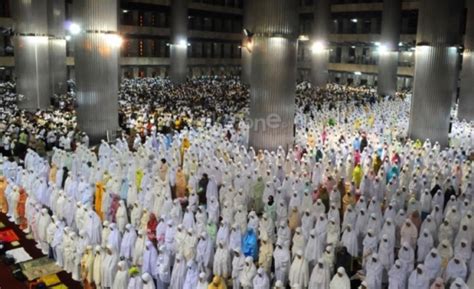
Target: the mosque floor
pixel 8 281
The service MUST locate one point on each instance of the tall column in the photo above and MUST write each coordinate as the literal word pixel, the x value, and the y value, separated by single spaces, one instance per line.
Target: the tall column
pixel 435 69
pixel 388 50
pixel 466 97
pixel 97 51
pixel 249 24
pixel 57 46
pixel 320 46
pixel 273 82
pixel 179 41
pixel 31 53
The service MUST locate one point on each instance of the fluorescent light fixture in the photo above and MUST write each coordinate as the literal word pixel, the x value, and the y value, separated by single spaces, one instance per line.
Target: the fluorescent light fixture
pixel 354 20
pixel 357 73
pixel 318 46
pixel 377 43
pixel 382 48
pixel 68 37
pixel 353 46
pixel 400 44
pixel 303 38
pixel 114 40
pixel 74 28
pixel 125 11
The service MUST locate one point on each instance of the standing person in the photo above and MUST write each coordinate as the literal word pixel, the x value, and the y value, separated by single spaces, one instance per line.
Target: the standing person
pixel 340 280
pixel 299 271
pixel 202 189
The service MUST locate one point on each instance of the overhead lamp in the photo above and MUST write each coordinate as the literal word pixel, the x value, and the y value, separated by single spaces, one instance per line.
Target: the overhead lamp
pixel 382 48
pixel 357 73
pixel 114 40
pixel 303 38
pixel 318 46
pixel 354 20
pixel 68 37
pixel 74 28
pixel 125 11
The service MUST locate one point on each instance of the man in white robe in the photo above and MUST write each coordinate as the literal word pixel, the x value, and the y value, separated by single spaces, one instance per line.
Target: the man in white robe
pixel 163 265
pixel 109 267
pixel 374 270
pixel 299 271
pixel 222 262
pixel 282 262
pixel 43 223
pixel 433 264
pixel 238 263
pixel 397 276
pixel 149 259
pixel 128 242
pixel 340 280
pixel 178 274
pixel 121 278
pixel 456 269
pixel 147 281
pixel 261 280
pixel 248 273
pixel 320 276
pixel 418 279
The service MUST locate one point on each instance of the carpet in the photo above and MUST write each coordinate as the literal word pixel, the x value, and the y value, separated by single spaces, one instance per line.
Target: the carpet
pixel 37 268
pixel 8 236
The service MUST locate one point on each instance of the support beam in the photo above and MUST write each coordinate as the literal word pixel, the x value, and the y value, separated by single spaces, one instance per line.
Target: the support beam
pixel 57 46
pixel 466 97
pixel 249 24
pixel 320 43
pixel 97 51
pixel 388 50
pixel 273 82
pixel 179 41
pixel 436 61
pixel 31 53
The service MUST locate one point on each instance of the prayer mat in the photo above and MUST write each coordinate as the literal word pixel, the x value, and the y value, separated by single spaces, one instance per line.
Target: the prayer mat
pixel 37 268
pixel 60 286
pixel 50 280
pixel 8 236
pixel 15 244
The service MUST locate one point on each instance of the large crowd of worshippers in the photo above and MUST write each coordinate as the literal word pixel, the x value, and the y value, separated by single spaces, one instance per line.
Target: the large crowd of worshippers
pixel 353 204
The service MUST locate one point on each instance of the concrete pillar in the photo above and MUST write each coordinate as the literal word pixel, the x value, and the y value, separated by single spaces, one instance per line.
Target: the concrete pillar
pixel 57 46
pixel 435 69
pixel 466 97
pixel 273 82
pixel 388 54
pixel 97 55
pixel 249 24
pixel 179 41
pixel 32 53
pixel 320 49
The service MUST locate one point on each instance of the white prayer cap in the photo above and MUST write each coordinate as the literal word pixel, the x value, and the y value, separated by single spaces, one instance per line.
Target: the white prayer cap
pixel 299 253
pixel 146 277
pixel 341 270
